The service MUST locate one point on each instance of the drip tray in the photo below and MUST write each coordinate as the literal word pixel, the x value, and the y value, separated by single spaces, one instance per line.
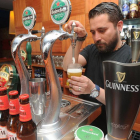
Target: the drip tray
pixel 135 135
pixel 74 113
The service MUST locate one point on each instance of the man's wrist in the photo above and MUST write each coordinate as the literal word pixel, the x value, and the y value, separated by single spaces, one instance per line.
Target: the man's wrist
pixel 95 91
pixel 82 38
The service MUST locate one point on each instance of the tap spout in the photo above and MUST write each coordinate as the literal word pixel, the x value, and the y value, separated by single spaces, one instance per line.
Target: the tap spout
pixel 15 51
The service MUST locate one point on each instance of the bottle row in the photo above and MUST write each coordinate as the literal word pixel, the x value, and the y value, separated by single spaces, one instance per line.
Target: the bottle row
pixel 15 117
pixel 58 60
pixel 130 9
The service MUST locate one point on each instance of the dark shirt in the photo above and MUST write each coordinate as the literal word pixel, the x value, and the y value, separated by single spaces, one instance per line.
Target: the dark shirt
pixel 94 71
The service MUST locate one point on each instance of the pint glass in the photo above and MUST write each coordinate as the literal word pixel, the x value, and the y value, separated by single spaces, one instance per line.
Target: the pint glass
pixel 74 70
pixel 122 93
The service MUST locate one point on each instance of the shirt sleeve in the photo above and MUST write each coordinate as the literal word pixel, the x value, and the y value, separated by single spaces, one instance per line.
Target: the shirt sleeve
pixel 86 51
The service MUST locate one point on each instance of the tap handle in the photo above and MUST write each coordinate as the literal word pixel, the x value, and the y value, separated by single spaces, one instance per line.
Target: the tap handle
pixel 74 35
pixel 29 51
pixel 38 31
pixel 34 31
pixel 73 25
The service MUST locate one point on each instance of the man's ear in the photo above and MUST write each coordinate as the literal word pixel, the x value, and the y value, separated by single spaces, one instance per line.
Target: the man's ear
pixel 120 25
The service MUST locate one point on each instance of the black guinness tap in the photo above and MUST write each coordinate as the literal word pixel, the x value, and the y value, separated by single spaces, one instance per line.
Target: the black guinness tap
pixel 135 44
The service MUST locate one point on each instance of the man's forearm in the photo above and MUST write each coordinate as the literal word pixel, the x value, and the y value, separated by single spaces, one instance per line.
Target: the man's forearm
pixel 68 56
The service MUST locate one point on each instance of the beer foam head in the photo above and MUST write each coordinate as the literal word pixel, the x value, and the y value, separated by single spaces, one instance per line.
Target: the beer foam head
pixel 74 70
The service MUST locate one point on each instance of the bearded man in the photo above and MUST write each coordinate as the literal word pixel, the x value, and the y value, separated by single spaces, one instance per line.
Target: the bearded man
pixel 105 26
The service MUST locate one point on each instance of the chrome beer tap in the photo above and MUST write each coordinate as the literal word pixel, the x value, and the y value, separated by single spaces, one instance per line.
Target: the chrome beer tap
pixel 52 119
pixel 15 47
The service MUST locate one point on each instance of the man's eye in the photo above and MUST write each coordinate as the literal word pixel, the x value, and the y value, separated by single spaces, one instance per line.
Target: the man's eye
pixel 93 33
pixel 101 31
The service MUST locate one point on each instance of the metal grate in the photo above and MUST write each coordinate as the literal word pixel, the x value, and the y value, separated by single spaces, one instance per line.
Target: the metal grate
pixel 135 135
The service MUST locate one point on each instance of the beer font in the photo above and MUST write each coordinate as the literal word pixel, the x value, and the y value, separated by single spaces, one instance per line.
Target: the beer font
pixel 50 123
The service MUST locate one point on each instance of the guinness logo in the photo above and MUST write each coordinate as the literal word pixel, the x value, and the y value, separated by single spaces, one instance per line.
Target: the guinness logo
pixel 121 76
pixel 136 34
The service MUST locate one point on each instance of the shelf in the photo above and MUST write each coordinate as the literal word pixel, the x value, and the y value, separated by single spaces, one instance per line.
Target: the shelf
pixel 59 68
pixel 133 21
pixel 5 59
pixel 38 65
pixel 43 66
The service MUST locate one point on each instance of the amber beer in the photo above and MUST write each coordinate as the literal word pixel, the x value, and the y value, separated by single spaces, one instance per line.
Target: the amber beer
pixel 27 129
pixel 74 70
pixel 13 118
pixel 4 113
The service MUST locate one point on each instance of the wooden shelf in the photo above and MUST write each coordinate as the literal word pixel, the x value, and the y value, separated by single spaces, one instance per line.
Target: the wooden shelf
pixel 43 66
pixel 38 65
pixel 5 59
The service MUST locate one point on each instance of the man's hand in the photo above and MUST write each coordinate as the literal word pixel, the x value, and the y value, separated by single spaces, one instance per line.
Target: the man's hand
pixel 81 85
pixel 79 29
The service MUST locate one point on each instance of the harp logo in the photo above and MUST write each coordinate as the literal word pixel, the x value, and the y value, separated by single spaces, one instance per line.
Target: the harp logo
pixel 120 76
pixel 136 35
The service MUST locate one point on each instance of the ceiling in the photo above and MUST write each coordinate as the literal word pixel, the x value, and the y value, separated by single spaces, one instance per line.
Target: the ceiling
pixel 6 4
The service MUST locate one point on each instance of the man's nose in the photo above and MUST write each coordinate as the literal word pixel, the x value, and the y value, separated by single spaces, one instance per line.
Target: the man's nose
pixel 97 37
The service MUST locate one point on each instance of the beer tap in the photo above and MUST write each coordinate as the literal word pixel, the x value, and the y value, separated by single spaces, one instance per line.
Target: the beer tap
pixel 52 119
pixel 16 43
pixel 135 44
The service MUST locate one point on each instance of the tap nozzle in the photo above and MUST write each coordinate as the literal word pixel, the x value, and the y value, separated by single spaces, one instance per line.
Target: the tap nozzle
pixel 74 37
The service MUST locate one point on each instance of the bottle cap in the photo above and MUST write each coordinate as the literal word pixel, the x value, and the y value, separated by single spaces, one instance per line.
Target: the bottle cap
pixel 13 92
pixel 24 96
pixel 3 88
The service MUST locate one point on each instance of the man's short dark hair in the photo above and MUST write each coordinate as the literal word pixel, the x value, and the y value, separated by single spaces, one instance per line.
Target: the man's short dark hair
pixel 109 8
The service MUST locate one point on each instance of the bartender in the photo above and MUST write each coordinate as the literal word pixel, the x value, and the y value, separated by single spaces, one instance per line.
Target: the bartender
pixel 106 23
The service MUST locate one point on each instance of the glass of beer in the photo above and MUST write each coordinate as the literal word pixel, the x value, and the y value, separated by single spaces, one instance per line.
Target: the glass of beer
pixel 74 70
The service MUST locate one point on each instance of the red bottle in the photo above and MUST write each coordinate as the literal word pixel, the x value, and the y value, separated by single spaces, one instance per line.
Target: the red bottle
pixel 4 113
pixel 13 118
pixel 26 128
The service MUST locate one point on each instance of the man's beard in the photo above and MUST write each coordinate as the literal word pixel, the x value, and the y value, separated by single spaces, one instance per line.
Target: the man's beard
pixel 104 47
